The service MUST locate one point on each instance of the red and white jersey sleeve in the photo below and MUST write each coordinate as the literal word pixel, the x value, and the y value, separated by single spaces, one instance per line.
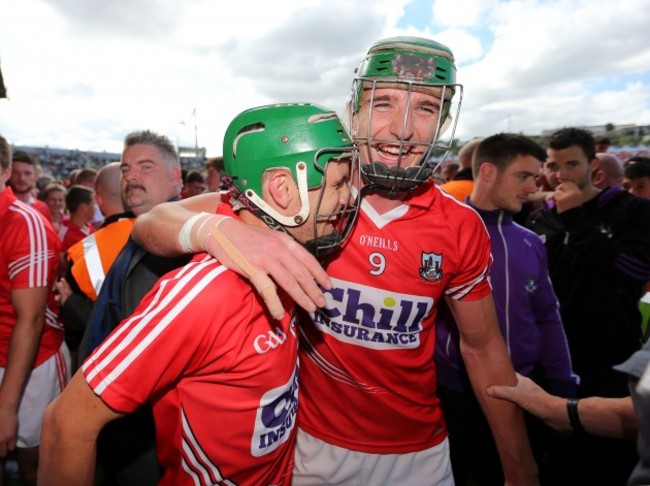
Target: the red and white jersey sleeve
pixel 367 370
pixel 29 258
pixel 221 374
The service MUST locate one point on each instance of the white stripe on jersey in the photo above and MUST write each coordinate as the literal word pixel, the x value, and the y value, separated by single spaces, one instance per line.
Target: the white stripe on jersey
pixel 331 370
pixel 187 287
pixel 121 329
pixel 61 369
pixel 460 291
pixel 38 248
pixel 26 261
pixel 51 319
pixel 194 459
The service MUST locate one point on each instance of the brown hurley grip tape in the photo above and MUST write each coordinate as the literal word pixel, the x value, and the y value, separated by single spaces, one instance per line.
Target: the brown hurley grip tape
pixel 262 283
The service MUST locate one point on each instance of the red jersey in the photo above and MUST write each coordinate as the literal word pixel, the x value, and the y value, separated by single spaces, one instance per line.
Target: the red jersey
pixel 368 378
pixel 220 373
pixel 70 233
pixel 29 258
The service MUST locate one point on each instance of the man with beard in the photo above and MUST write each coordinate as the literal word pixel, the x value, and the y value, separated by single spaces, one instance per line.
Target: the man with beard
pixel 598 245
pixel 25 171
pixel 34 360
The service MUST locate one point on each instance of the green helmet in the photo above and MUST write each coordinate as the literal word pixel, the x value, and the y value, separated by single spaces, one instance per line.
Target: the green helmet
pixel 412 64
pixel 299 137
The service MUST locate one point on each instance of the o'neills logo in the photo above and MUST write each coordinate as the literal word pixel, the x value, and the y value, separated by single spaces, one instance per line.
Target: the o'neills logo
pixel 378 242
pixel 276 417
pixel 371 317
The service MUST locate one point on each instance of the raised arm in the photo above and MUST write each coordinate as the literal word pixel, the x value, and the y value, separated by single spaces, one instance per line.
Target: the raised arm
pixel 29 305
pixel 486 359
pixel 264 252
pixel 609 417
pixel 69 436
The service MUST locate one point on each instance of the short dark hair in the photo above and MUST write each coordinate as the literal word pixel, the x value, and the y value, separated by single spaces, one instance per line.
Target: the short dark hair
pixel 194 176
pixel 77 195
pixel 637 167
pixel 501 149
pixel 216 163
pixel 161 142
pixel 566 137
pixel 5 153
pixel 87 174
pixel 638 159
pixel 22 156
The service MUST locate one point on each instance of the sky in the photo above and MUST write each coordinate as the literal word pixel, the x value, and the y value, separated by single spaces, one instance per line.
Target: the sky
pixel 82 74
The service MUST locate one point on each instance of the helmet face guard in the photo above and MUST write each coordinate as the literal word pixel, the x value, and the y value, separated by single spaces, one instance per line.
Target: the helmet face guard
pixel 342 219
pixel 412 65
pixel 302 139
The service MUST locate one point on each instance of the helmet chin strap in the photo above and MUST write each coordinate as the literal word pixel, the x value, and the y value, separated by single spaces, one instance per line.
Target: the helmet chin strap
pixel 378 177
pixel 321 247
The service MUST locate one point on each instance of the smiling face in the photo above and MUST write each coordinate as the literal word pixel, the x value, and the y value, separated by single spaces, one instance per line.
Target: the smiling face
pixel 396 127
pixel 329 203
pixel 55 200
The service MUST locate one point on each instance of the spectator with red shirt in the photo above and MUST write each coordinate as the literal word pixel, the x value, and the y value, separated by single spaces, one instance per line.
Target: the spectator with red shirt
pixel 34 361
pixel 54 197
pixel 80 202
pixel 238 366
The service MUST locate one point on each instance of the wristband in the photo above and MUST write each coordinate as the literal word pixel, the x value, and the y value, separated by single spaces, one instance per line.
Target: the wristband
pixel 185 234
pixel 574 416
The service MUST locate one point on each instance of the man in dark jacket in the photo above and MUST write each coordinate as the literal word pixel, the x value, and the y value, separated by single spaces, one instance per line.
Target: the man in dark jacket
pixel 151 175
pixel 598 244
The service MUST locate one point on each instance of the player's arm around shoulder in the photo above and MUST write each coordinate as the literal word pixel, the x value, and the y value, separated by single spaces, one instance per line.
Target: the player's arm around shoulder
pixel 69 436
pixel 157 230
pixel 487 361
pixel 241 247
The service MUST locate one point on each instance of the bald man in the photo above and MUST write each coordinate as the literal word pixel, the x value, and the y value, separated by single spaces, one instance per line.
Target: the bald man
pixel 108 192
pixel 608 173
pixel 461 185
pixel 88 260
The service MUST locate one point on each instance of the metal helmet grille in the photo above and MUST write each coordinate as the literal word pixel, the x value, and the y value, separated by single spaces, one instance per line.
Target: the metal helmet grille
pixel 411 65
pixel 400 178
pixel 344 218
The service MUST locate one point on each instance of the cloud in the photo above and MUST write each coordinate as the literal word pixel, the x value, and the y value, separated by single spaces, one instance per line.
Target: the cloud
pixel 546 55
pixel 460 13
pixel 135 19
pixel 305 57
pixel 83 74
